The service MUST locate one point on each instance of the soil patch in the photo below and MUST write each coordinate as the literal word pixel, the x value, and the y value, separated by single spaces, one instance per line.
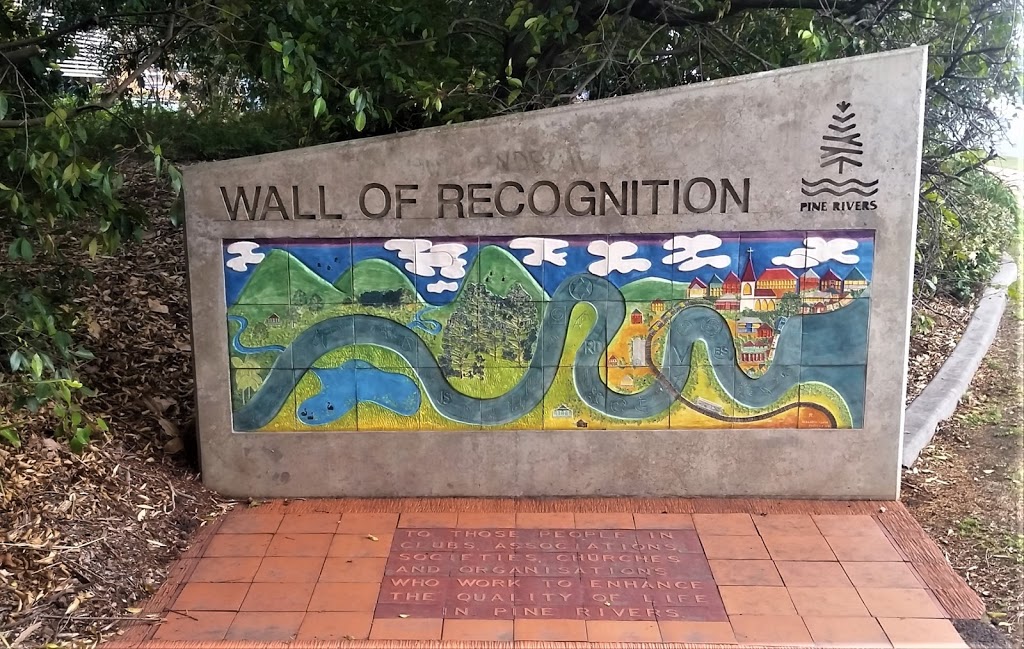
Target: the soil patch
pixel 967 487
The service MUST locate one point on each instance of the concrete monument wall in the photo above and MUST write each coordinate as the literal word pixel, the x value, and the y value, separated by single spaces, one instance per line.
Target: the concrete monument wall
pixel 697 291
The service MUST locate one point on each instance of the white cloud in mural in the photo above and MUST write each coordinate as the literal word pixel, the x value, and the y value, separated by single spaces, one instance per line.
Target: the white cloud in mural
pixel 442 287
pixel 817 251
pixel 246 256
pixel 615 258
pixel 544 250
pixel 687 250
pixel 423 257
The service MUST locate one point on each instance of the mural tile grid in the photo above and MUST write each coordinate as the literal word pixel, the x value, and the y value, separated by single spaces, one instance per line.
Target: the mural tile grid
pixel 705 330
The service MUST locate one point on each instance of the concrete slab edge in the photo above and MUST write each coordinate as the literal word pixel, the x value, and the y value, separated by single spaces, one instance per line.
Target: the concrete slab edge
pixel 941 396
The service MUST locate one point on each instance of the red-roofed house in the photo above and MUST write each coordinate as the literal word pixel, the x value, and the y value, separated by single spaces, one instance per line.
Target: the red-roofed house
pixel 698 288
pixel 831 282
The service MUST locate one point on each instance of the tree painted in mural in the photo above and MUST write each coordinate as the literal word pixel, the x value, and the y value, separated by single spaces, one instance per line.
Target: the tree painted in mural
pixel 727 330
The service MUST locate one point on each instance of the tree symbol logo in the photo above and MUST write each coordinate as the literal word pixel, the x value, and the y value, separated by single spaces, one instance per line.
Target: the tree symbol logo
pixel 841 148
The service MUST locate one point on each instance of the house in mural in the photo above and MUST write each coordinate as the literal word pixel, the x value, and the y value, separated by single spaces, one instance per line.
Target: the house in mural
pixel 731 284
pixel 658 306
pixel 727 303
pixel 831 282
pixel 810 281
pixel 562 412
pixel 855 281
pixel 636 317
pixel 697 288
pixel 273 320
pixel 715 286
pixel 627 382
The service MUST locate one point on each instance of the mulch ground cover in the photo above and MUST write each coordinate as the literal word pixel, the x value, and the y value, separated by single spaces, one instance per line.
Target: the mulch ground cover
pixel 84 539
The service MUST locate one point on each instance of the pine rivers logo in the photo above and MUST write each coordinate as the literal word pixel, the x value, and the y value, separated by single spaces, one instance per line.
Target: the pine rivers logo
pixel 841 152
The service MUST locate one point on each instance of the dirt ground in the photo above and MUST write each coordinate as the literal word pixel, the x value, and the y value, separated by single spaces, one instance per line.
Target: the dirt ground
pixel 967 487
pixel 84 539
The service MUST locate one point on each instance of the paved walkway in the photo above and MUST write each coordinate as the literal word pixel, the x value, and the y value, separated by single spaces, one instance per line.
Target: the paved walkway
pixel 754 573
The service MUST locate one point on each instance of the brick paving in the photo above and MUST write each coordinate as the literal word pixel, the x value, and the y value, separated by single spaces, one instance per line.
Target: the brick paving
pixel 796 579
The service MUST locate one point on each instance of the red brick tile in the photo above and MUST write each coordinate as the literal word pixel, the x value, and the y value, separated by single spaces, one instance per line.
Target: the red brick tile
pixel 881 574
pixel 476 520
pixel 195 626
pixel 557 520
pixel 733 547
pixel 210 597
pixel 265 626
pixel 863 548
pixel 827 602
pixel 369 569
pixel 493 630
pixel 901 602
pixel 731 572
pixel 604 521
pixel 226 569
pixel 237 545
pixel 706 613
pixel 422 611
pixel 285 569
pixel 376 524
pixel 622 631
pixel 826 574
pixel 299 545
pixel 786 525
pixel 277 597
pixel 360 546
pixel 663 521
pixel 770 630
pixel 309 523
pixel 702 632
pixel 344 597
pixel 250 524
pixel 846 524
pixel 551 630
pixel 428 519
pixel 922 634
pixel 860 632
pixel 756 600
pixel 406 629
pixel 724 524
pixel 335 626
pixel 798 548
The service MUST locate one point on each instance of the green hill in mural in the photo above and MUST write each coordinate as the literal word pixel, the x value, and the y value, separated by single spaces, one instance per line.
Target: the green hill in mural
pixel 277 279
pixel 647 289
pixel 373 275
pixel 499 271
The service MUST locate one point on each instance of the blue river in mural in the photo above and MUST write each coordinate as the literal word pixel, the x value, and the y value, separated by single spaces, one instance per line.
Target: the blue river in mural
pixel 342 387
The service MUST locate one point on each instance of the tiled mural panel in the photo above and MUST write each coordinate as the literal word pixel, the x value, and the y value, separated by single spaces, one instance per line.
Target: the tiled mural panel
pixel 704 330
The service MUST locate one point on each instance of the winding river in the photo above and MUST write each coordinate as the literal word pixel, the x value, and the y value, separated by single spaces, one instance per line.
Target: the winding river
pixel 828 348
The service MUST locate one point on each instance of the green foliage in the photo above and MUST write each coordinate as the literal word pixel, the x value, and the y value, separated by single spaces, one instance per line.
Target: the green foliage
pixel 964 229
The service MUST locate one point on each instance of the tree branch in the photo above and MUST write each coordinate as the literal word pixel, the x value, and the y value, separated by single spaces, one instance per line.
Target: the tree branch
pixel 110 97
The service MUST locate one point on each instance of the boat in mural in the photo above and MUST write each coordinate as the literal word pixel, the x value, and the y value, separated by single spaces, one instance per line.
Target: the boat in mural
pixel 704 330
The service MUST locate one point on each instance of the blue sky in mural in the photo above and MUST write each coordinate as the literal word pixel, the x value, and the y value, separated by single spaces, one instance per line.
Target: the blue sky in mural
pixel 439 266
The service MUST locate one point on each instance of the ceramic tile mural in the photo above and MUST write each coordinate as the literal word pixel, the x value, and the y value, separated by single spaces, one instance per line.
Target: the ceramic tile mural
pixel 707 330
